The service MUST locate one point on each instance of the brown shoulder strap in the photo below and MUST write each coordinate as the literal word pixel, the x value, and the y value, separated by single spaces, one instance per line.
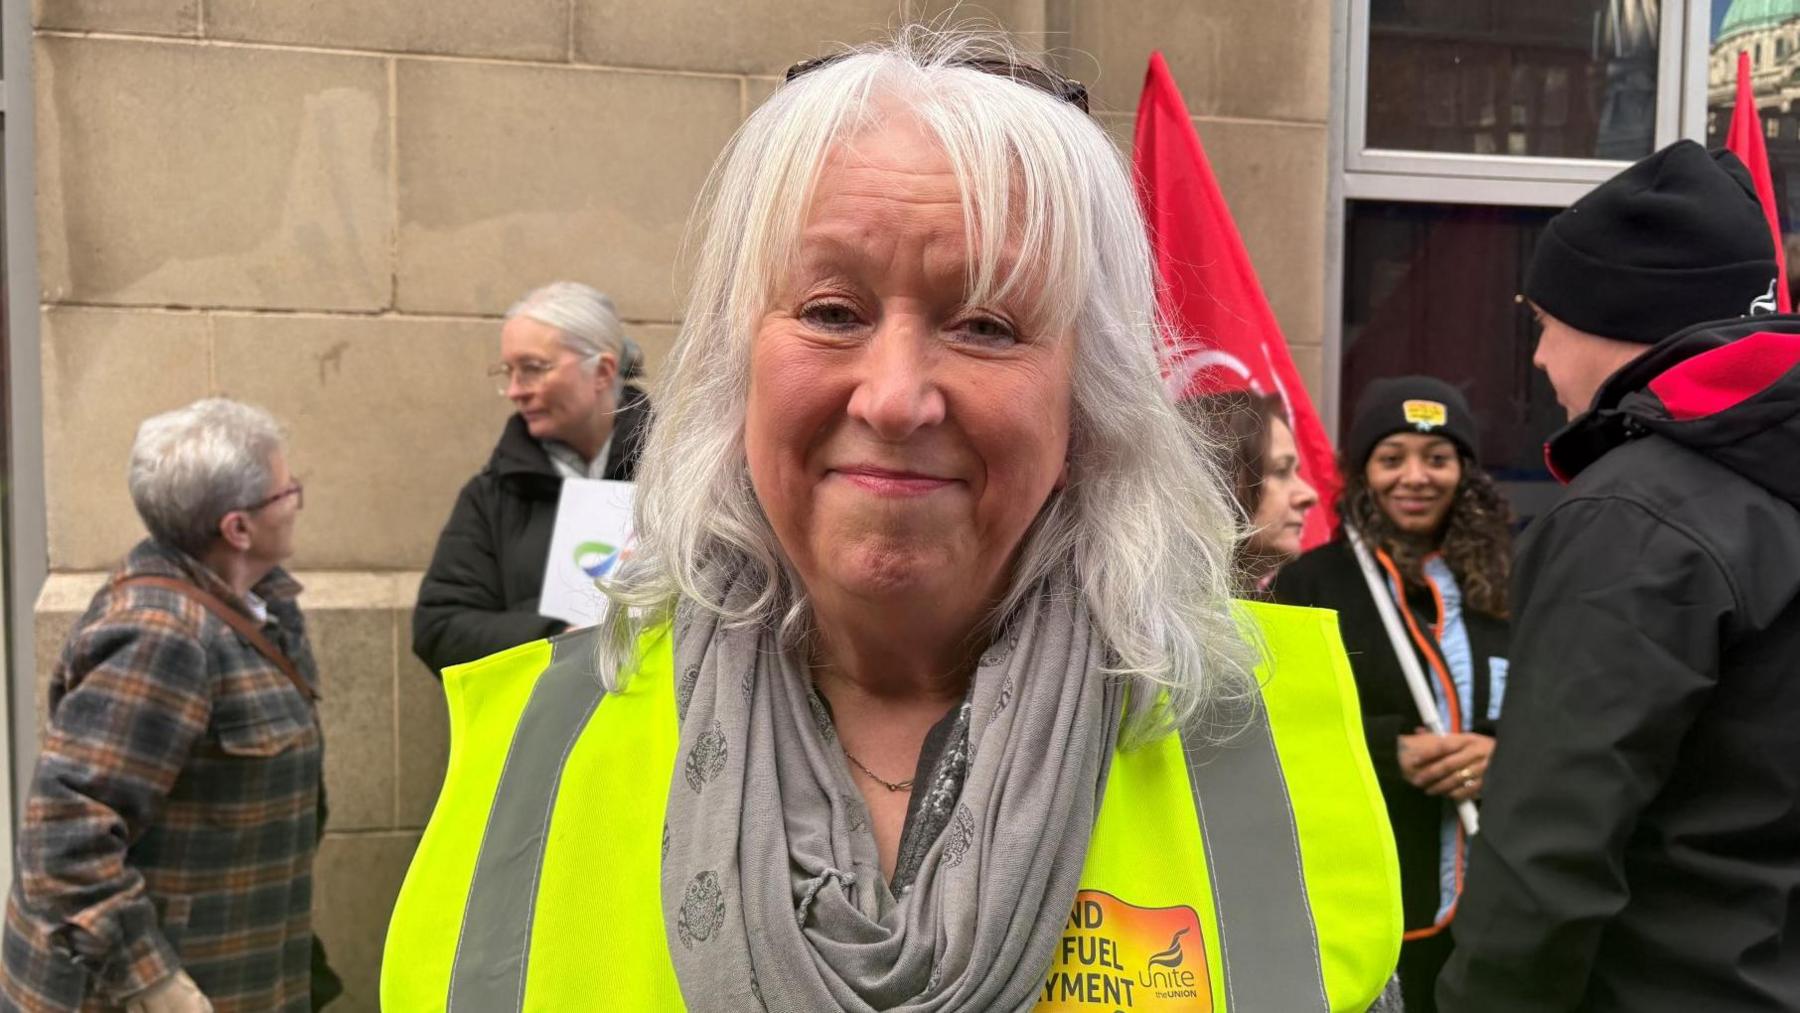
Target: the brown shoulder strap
pixel 233 618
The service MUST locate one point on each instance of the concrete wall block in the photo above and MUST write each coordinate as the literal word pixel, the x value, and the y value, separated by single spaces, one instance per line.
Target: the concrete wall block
pixel 424 730
pixel 387 418
pixel 1309 360
pixel 520 29
pixel 498 195
pixel 757 36
pixel 105 371
pixel 1267 60
pixel 355 650
pixel 1273 176
pixel 657 340
pixel 356 879
pixel 423 718
pixel 188 175
pixel 154 17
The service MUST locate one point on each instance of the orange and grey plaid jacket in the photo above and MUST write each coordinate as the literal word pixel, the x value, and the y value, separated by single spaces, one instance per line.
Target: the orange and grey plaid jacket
pixel 173 815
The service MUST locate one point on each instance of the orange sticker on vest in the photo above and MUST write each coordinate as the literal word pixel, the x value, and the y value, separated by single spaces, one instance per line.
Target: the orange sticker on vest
pixel 1118 956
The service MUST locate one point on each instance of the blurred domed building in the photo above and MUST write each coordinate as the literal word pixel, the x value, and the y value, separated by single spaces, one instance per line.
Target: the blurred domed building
pixel 1769 30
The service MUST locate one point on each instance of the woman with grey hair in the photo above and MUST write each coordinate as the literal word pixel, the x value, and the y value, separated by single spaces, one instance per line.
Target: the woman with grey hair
pixel 925 690
pixel 165 858
pixel 566 365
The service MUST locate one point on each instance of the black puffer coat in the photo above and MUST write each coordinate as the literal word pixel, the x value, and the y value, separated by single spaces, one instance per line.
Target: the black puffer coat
pixel 480 595
pixel 1640 844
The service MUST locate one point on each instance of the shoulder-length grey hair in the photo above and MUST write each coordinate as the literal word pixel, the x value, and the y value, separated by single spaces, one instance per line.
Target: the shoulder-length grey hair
pixel 192 466
pixel 1143 526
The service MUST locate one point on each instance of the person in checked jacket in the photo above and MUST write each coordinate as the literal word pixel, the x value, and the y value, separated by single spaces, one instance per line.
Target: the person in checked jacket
pixel 165 858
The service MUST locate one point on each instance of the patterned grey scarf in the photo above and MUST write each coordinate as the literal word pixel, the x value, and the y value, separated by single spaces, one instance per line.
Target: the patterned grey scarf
pixel 771 884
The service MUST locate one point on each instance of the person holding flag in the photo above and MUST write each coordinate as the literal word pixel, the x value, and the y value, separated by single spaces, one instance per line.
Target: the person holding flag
pixel 1418 577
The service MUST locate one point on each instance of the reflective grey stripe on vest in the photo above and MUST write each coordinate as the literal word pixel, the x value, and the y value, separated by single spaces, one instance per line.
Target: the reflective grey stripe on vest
pixel 489 972
pixel 1268 945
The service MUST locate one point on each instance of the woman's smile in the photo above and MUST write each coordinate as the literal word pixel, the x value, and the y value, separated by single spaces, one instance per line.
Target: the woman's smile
pixel 1414 504
pixel 890 483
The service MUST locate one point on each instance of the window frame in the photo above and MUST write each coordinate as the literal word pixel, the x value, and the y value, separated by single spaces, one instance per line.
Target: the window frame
pixel 1357 172
pixel 26 562
pixel 1361 159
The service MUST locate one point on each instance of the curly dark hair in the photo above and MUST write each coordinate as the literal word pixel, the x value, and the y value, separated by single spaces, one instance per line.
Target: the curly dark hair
pixel 1476 540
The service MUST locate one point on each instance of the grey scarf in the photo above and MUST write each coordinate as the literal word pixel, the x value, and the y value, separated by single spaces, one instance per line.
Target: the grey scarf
pixel 772 889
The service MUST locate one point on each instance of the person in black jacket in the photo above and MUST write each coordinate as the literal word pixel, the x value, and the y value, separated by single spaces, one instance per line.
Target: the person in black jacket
pixel 1437 529
pixel 1640 846
pixel 565 365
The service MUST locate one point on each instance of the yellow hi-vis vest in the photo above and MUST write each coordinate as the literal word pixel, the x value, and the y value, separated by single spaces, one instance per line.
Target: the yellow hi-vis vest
pixel 1255 876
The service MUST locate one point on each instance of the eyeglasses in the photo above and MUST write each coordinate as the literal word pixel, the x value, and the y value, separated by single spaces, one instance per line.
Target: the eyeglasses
pixel 1068 90
pixel 529 374
pixel 296 490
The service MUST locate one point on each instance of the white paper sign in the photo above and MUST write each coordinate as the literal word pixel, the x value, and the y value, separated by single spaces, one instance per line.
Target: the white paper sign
pixel 593 536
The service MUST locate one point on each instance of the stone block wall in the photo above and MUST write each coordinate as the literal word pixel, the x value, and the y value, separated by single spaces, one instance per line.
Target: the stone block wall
pixel 323 208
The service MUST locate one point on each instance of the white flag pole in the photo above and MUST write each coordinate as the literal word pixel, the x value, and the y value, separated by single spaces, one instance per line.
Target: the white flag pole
pixel 1409 660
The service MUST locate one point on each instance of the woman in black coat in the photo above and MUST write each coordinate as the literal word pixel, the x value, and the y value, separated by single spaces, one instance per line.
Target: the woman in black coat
pixel 1437 529
pixel 564 365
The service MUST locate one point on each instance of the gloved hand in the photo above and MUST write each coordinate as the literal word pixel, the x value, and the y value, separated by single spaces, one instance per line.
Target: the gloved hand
pixel 175 994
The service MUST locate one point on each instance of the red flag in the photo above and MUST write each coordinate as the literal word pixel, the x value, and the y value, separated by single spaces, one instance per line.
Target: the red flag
pixel 1745 140
pixel 1225 335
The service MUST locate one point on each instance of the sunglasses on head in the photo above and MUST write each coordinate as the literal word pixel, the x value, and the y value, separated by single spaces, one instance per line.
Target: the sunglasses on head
pixel 1051 83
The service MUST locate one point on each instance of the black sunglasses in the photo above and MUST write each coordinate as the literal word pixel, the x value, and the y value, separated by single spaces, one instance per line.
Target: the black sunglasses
pixel 1073 92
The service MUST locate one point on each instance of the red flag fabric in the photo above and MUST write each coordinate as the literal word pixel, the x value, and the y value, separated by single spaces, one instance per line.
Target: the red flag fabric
pixel 1225 335
pixel 1745 140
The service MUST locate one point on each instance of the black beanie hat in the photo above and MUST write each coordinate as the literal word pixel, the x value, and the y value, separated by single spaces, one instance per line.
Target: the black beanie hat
pixel 1675 240
pixel 1409 404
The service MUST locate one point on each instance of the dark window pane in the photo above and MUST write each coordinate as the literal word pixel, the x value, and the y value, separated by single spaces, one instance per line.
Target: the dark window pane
pixel 1554 78
pixel 1769 30
pixel 1428 289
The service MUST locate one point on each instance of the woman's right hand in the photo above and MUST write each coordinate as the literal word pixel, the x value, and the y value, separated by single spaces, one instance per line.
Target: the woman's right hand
pixel 1459 772
pixel 1450 765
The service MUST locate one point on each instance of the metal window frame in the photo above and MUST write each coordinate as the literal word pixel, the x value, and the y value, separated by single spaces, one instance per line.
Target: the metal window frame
pixel 1696 57
pixel 1359 158
pixel 27 561
pixel 1358 173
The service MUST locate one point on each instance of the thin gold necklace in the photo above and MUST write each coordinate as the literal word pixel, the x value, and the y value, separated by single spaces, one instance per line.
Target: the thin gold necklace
pixel 905 785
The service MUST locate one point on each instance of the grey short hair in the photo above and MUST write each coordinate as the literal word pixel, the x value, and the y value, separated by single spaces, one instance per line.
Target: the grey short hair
pixel 586 320
pixel 192 466
pixel 1145 524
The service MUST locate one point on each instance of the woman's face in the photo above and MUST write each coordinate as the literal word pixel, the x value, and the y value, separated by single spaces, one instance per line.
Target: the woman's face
pixel 1285 498
pixel 1414 479
pixel 558 399
pixel 900 439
